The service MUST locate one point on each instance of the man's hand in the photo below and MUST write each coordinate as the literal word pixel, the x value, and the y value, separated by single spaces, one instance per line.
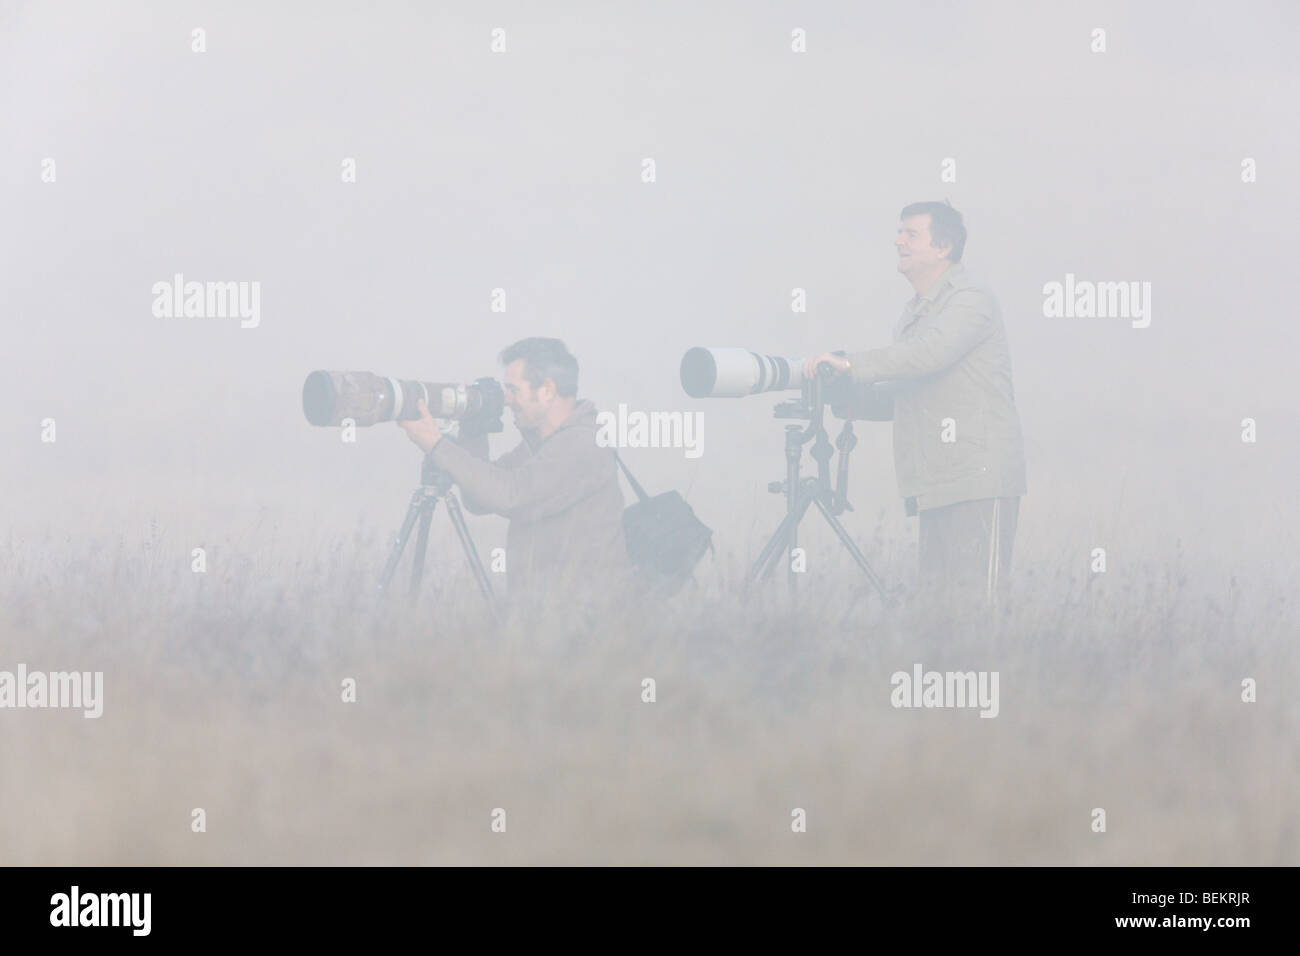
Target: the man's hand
pixel 423 431
pixel 837 362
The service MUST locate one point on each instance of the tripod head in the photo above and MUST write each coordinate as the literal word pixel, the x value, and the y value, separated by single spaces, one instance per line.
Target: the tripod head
pixel 437 481
pixel 811 407
pixel 825 390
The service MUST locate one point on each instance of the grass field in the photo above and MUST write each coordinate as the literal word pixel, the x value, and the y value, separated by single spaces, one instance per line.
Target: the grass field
pixel 223 691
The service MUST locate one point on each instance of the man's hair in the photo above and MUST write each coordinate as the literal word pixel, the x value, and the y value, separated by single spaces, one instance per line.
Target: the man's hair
pixel 945 225
pixel 543 359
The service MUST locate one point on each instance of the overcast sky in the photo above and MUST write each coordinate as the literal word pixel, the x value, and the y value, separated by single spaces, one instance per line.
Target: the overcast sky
pixel 523 170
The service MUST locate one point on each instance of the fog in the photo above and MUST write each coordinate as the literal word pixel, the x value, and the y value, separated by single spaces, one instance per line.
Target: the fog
pixel 522 170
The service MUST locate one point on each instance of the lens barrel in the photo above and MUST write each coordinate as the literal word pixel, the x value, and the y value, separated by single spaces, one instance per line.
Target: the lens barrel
pixel 330 397
pixel 733 373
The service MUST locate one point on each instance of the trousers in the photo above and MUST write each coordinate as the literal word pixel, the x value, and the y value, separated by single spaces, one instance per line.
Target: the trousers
pixel 965 551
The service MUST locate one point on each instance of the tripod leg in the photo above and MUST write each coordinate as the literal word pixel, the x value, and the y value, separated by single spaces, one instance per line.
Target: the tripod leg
pixel 774 543
pixel 792 542
pixel 399 543
pixel 780 543
pixel 422 545
pixel 471 553
pixel 853 549
pixel 807 495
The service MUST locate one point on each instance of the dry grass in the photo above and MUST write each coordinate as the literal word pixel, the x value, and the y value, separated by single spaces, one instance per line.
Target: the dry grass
pixel 223 692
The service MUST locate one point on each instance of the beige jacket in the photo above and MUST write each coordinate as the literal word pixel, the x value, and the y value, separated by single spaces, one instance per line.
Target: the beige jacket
pixel 562 497
pixel 957 433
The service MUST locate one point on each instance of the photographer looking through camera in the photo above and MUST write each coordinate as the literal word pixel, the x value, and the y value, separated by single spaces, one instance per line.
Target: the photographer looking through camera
pixel 558 488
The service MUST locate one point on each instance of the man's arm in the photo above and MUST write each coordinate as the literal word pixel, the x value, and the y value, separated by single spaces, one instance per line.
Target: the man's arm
pixel 424 431
pixel 477 446
pixel 565 470
pixel 940 341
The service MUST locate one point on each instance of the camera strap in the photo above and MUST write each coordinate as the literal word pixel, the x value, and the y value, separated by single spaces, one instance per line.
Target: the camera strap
pixel 636 485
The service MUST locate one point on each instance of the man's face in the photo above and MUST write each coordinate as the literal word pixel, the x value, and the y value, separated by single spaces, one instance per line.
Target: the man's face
pixel 915 253
pixel 528 404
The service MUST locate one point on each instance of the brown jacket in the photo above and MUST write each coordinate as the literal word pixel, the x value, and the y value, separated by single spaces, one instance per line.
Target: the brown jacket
pixel 956 429
pixel 562 497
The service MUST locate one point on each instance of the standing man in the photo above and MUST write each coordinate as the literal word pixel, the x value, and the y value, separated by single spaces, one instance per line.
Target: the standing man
pixel 958 449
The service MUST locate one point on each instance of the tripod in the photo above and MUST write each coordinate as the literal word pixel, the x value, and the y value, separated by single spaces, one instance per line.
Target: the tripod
pixel 435 486
pixel 801 492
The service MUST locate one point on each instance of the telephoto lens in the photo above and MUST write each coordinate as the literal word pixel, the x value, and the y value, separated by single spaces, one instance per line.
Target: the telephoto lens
pixel 330 398
pixel 733 373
